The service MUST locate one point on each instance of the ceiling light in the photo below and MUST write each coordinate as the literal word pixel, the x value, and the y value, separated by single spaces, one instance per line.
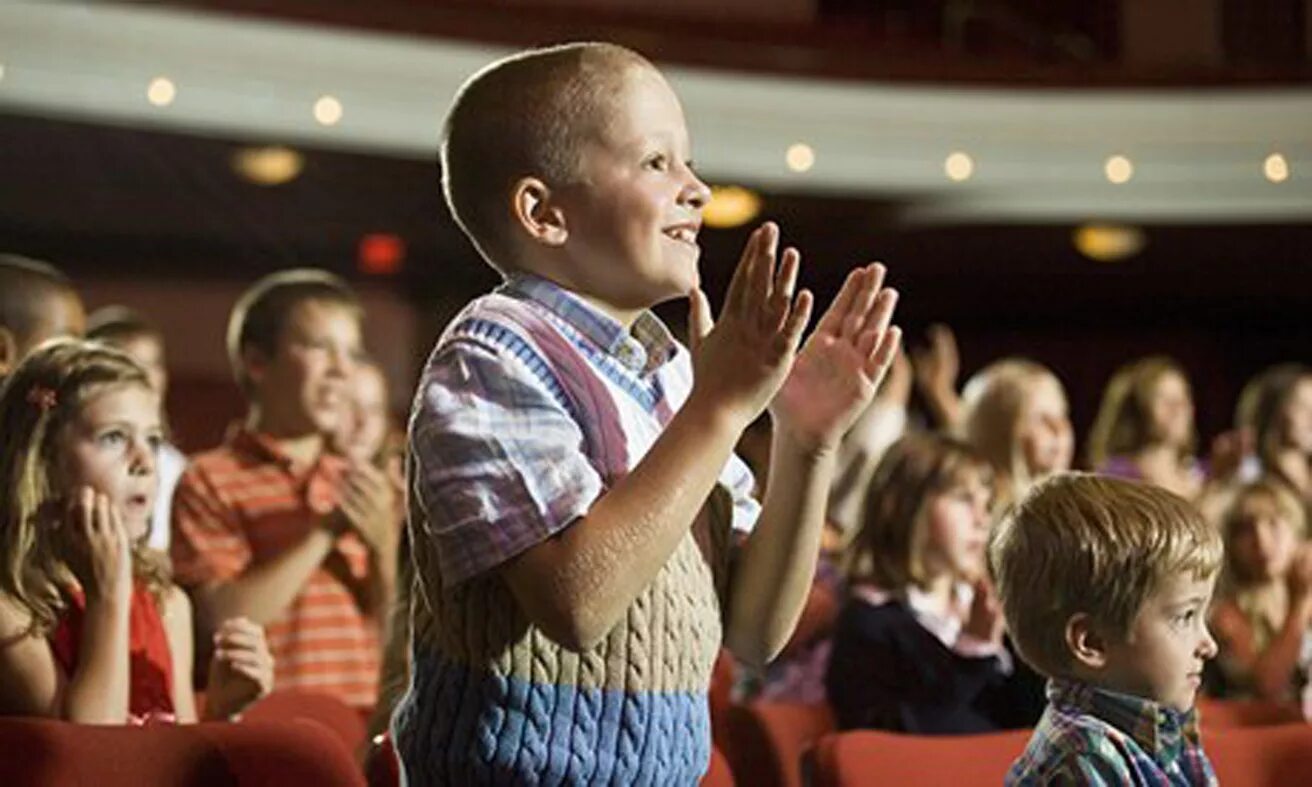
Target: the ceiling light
pixel 800 157
pixel 959 166
pixel 327 110
pixel 1276 168
pixel 1108 242
pixel 1119 169
pixel 161 91
pixel 731 206
pixel 272 165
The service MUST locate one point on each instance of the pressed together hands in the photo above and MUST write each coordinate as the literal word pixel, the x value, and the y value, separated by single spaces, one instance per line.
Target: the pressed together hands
pixel 750 358
pixel 96 546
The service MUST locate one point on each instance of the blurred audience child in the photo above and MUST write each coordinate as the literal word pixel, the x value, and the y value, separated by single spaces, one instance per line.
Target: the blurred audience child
pixel 273 526
pixel 91 628
pixel 1263 614
pixel 919 646
pixel 574 487
pixel 1105 584
pixel 132 333
pixel 1014 412
pixel 1145 430
pixel 37 303
pixel 1275 407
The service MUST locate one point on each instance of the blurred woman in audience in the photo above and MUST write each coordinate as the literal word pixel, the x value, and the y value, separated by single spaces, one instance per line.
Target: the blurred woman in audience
pixel 918 646
pixel 1145 427
pixel 1264 606
pixel 137 336
pixel 91 628
pixel 1014 413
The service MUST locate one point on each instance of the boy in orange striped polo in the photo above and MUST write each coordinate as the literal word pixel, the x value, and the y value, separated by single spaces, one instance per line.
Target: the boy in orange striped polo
pixel 271 525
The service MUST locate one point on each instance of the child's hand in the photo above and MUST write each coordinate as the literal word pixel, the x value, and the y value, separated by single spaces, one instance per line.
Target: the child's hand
pixel 241 670
pixel 985 621
pixel 740 362
pixel 368 506
pixel 1299 578
pixel 840 366
pixel 97 548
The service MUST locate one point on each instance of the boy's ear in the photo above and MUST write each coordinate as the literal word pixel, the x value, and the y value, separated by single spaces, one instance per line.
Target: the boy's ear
pixel 1087 645
pixel 537 212
pixel 8 351
pixel 255 362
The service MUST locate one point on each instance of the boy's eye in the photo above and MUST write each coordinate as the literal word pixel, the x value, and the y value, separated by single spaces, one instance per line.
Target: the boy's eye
pixel 658 162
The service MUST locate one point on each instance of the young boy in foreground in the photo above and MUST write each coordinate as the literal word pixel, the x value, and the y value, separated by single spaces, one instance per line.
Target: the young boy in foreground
pixel 571 547
pixel 1105 585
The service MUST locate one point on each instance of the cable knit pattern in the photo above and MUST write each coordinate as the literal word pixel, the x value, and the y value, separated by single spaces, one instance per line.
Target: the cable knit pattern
pixel 493 700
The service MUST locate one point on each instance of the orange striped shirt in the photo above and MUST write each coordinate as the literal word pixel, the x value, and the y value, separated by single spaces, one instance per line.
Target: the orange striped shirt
pixel 245 503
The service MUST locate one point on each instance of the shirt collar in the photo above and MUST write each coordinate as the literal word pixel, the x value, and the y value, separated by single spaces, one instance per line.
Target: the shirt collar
pixel 646 347
pixel 265 447
pixel 1159 730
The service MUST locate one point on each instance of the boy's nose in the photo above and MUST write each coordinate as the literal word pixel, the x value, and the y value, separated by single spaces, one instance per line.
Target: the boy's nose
pixel 696 193
pixel 1207 647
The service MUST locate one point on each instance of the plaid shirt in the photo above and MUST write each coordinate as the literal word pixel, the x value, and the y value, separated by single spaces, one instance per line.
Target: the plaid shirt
pixel 500 462
pixel 1091 736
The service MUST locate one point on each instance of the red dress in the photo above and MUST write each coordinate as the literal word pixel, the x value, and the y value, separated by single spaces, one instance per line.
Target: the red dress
pixel 150 665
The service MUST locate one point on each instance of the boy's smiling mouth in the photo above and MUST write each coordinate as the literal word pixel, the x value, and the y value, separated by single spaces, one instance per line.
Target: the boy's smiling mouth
pixel 684 233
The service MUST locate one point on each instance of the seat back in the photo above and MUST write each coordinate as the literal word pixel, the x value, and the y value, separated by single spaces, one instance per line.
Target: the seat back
pixel 718 774
pixel 216 754
pixel 291 705
pixel 868 758
pixel 1261 756
pixel 1218 714
pixel 769 739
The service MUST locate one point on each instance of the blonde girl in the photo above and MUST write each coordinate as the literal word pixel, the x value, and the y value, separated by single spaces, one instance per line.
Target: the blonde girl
pixel 1014 413
pixel 1263 610
pixel 91 628
pixel 918 646
pixel 1145 427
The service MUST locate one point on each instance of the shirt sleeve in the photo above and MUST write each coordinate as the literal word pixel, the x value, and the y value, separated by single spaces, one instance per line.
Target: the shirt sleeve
pixel 1087 769
pixel 208 543
pixel 737 478
pixel 498 460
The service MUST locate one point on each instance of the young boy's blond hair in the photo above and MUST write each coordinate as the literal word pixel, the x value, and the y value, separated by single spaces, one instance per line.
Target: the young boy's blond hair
pixel 1081 543
pixel 526 115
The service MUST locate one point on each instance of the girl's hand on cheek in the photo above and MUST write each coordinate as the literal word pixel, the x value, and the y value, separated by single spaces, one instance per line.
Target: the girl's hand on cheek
pixel 96 546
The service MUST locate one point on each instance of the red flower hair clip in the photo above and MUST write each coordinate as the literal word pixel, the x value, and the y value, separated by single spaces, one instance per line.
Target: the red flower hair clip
pixel 42 397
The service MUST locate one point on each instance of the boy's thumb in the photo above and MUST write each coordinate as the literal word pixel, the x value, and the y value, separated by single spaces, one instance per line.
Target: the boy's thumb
pixel 700 321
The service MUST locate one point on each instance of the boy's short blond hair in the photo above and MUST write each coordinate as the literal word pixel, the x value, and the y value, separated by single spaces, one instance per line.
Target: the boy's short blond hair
pixel 1081 543
pixel 525 115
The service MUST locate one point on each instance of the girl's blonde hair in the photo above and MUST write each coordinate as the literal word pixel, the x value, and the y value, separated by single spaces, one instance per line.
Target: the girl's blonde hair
pixel 1125 420
pixel 888 548
pixel 1261 408
pixel 43 396
pixel 1286 503
pixel 993 406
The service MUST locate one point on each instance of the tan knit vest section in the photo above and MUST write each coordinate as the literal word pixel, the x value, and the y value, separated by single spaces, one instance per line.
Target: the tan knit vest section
pixel 666 642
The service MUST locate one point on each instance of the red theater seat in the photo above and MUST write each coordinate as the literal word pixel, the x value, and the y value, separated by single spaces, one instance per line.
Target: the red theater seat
pixel 216 754
pixel 292 705
pixel 1279 756
pixel 866 758
pixel 1218 714
pixel 769 739
pixel 718 775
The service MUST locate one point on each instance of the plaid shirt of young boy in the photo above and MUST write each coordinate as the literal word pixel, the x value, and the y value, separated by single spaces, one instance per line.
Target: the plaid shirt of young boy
pixel 1090 736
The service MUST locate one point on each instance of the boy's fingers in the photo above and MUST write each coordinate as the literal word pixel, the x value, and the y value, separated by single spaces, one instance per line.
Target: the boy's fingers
pixel 882 315
pixel 884 352
pixel 798 318
pixel 859 311
pixel 781 292
pixel 700 321
pixel 762 276
pixel 733 298
pixel 832 321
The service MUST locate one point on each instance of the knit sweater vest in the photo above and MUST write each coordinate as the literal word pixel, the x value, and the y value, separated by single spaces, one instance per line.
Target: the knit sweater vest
pixel 493 700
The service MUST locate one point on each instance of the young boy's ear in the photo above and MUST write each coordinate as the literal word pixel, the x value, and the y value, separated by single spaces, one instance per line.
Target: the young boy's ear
pixel 537 213
pixel 254 362
pixel 1087 645
pixel 8 351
